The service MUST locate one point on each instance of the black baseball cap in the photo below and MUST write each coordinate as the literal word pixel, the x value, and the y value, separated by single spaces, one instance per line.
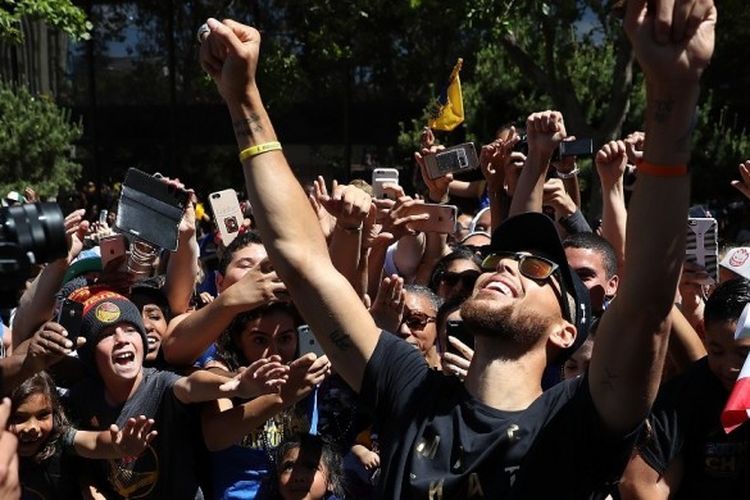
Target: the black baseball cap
pixel 536 233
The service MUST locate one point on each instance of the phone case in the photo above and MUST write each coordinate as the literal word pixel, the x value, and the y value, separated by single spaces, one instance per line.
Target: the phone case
pixel 306 342
pixel 70 316
pixel 702 245
pixel 442 218
pixel 458 329
pixel 150 209
pixel 458 158
pixel 227 214
pixel 380 177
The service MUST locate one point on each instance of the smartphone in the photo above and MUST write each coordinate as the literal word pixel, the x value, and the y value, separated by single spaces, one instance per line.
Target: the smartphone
pixel 150 209
pixel 112 247
pixel 442 218
pixel 456 328
pixel 454 159
pixel 103 216
pixel 227 214
pixel 70 316
pixel 306 342
pixel 578 147
pixel 380 177
pixel 702 245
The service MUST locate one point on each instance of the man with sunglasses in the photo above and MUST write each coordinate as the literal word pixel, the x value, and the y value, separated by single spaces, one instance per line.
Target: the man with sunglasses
pixel 496 435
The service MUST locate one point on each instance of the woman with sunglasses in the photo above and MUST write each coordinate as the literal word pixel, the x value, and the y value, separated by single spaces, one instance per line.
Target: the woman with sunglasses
pixel 455 274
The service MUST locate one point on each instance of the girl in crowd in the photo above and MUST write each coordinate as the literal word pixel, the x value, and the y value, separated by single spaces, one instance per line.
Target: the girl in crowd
pixel 308 468
pixel 47 444
pixel 242 435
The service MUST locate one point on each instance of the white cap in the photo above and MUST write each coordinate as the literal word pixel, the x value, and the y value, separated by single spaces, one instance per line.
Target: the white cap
pixel 13 196
pixel 737 260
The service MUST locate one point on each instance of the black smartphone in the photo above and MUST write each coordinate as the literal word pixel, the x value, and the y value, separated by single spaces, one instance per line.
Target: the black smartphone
pixel 150 209
pixel 578 147
pixel 456 328
pixel 70 317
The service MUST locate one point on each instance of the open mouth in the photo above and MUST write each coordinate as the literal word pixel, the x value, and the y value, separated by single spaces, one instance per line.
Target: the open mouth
pixel 124 358
pixel 28 439
pixel 153 342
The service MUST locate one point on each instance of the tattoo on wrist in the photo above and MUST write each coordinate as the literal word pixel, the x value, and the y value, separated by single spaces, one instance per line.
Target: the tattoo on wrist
pixel 662 109
pixel 248 126
pixel 341 340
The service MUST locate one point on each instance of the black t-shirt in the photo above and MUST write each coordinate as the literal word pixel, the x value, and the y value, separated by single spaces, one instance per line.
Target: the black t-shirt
pixel 55 477
pixel 686 421
pixel 437 441
pixel 166 469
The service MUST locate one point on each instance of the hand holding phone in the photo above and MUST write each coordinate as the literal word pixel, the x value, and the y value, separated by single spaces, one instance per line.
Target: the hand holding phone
pixel 440 218
pixel 227 214
pixel 306 342
pixel 460 158
pixel 381 177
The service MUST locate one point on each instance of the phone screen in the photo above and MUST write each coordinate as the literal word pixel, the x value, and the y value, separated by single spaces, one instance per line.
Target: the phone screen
pixel 456 328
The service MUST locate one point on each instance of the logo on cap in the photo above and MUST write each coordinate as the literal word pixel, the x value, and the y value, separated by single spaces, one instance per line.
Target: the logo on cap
pixel 739 257
pixel 107 312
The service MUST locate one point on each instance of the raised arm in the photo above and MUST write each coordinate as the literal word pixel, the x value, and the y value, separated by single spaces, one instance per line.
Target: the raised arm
pixel 611 161
pixel 632 339
pixel 294 241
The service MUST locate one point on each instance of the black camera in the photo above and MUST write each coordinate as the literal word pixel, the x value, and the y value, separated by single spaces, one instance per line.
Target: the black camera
pixel 29 234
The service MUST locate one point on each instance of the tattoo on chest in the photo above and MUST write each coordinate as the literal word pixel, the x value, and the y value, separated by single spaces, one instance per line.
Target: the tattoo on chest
pixel 341 340
pixel 247 126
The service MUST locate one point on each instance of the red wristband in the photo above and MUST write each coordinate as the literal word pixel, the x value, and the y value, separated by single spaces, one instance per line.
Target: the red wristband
pixel 647 168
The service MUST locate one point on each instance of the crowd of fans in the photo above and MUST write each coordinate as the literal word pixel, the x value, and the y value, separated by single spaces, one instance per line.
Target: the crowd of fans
pixel 526 354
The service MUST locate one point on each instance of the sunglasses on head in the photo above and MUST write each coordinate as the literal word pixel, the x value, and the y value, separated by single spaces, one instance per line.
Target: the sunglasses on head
pixel 467 278
pixel 533 267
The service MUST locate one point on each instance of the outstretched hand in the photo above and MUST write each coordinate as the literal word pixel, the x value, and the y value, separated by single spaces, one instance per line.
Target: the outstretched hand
pixel 263 376
pixel 134 437
pixel 388 308
pixel 611 161
pixel 743 185
pixel 49 345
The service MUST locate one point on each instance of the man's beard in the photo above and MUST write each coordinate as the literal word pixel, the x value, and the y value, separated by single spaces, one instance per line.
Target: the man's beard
pixel 520 331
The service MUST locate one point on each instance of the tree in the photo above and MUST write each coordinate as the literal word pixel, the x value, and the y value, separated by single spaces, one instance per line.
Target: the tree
pixel 35 143
pixel 60 14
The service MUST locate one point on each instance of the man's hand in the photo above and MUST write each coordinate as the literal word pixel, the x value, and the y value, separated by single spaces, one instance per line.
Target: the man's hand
pixel 397 216
pixel 230 55
pixel 673 39
pixel 304 374
pixel 264 376
pixel 743 185
pixel 388 308
pixel 611 161
pixel 49 345
pixel 10 487
pixel 492 161
pixel 349 205
pixel 545 130
pixel 134 437
pixel 255 289
pixel 556 197
pixel 75 232
pixel 325 219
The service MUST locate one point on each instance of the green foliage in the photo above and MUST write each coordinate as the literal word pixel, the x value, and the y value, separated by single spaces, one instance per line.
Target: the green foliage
pixel 35 143
pixel 60 14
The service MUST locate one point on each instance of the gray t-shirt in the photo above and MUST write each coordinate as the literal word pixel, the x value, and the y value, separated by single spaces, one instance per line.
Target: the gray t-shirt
pixel 166 469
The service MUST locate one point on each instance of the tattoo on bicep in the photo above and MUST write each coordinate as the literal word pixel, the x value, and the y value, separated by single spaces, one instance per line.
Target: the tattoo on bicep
pixel 248 126
pixel 341 340
pixel 663 108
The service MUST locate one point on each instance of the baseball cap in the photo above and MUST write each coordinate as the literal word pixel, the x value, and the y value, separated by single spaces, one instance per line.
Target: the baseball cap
pixel 536 233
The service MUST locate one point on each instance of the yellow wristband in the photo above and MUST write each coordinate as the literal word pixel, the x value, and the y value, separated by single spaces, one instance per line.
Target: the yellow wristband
pixel 259 149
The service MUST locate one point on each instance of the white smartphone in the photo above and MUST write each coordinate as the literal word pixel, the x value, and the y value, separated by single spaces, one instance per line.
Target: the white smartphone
pixel 227 214
pixel 112 247
pixel 380 177
pixel 306 342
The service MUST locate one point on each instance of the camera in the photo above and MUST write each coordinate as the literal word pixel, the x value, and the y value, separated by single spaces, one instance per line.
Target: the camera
pixel 29 234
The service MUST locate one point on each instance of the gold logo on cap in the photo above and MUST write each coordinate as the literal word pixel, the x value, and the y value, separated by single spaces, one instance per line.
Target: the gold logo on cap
pixel 107 312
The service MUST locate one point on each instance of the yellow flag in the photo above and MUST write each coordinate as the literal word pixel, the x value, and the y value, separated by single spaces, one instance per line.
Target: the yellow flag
pixel 450 113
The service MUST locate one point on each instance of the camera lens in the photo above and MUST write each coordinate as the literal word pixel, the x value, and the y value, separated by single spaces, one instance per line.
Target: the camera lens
pixel 37 228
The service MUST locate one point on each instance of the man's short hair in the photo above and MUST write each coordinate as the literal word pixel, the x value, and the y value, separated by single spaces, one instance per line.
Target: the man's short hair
pixel 727 301
pixel 591 241
pixel 426 293
pixel 243 240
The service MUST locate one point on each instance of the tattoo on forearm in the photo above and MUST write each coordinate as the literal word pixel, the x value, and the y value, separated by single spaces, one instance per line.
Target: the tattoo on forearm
pixel 341 340
pixel 248 126
pixel 663 108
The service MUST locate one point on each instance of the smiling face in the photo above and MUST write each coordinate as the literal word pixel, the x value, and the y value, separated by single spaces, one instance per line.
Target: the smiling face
pixel 156 326
pixel 32 422
pixel 274 332
pixel 509 306
pixel 119 353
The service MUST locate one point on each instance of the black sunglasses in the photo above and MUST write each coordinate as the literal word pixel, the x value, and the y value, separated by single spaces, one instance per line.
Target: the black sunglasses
pixel 533 267
pixel 467 278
